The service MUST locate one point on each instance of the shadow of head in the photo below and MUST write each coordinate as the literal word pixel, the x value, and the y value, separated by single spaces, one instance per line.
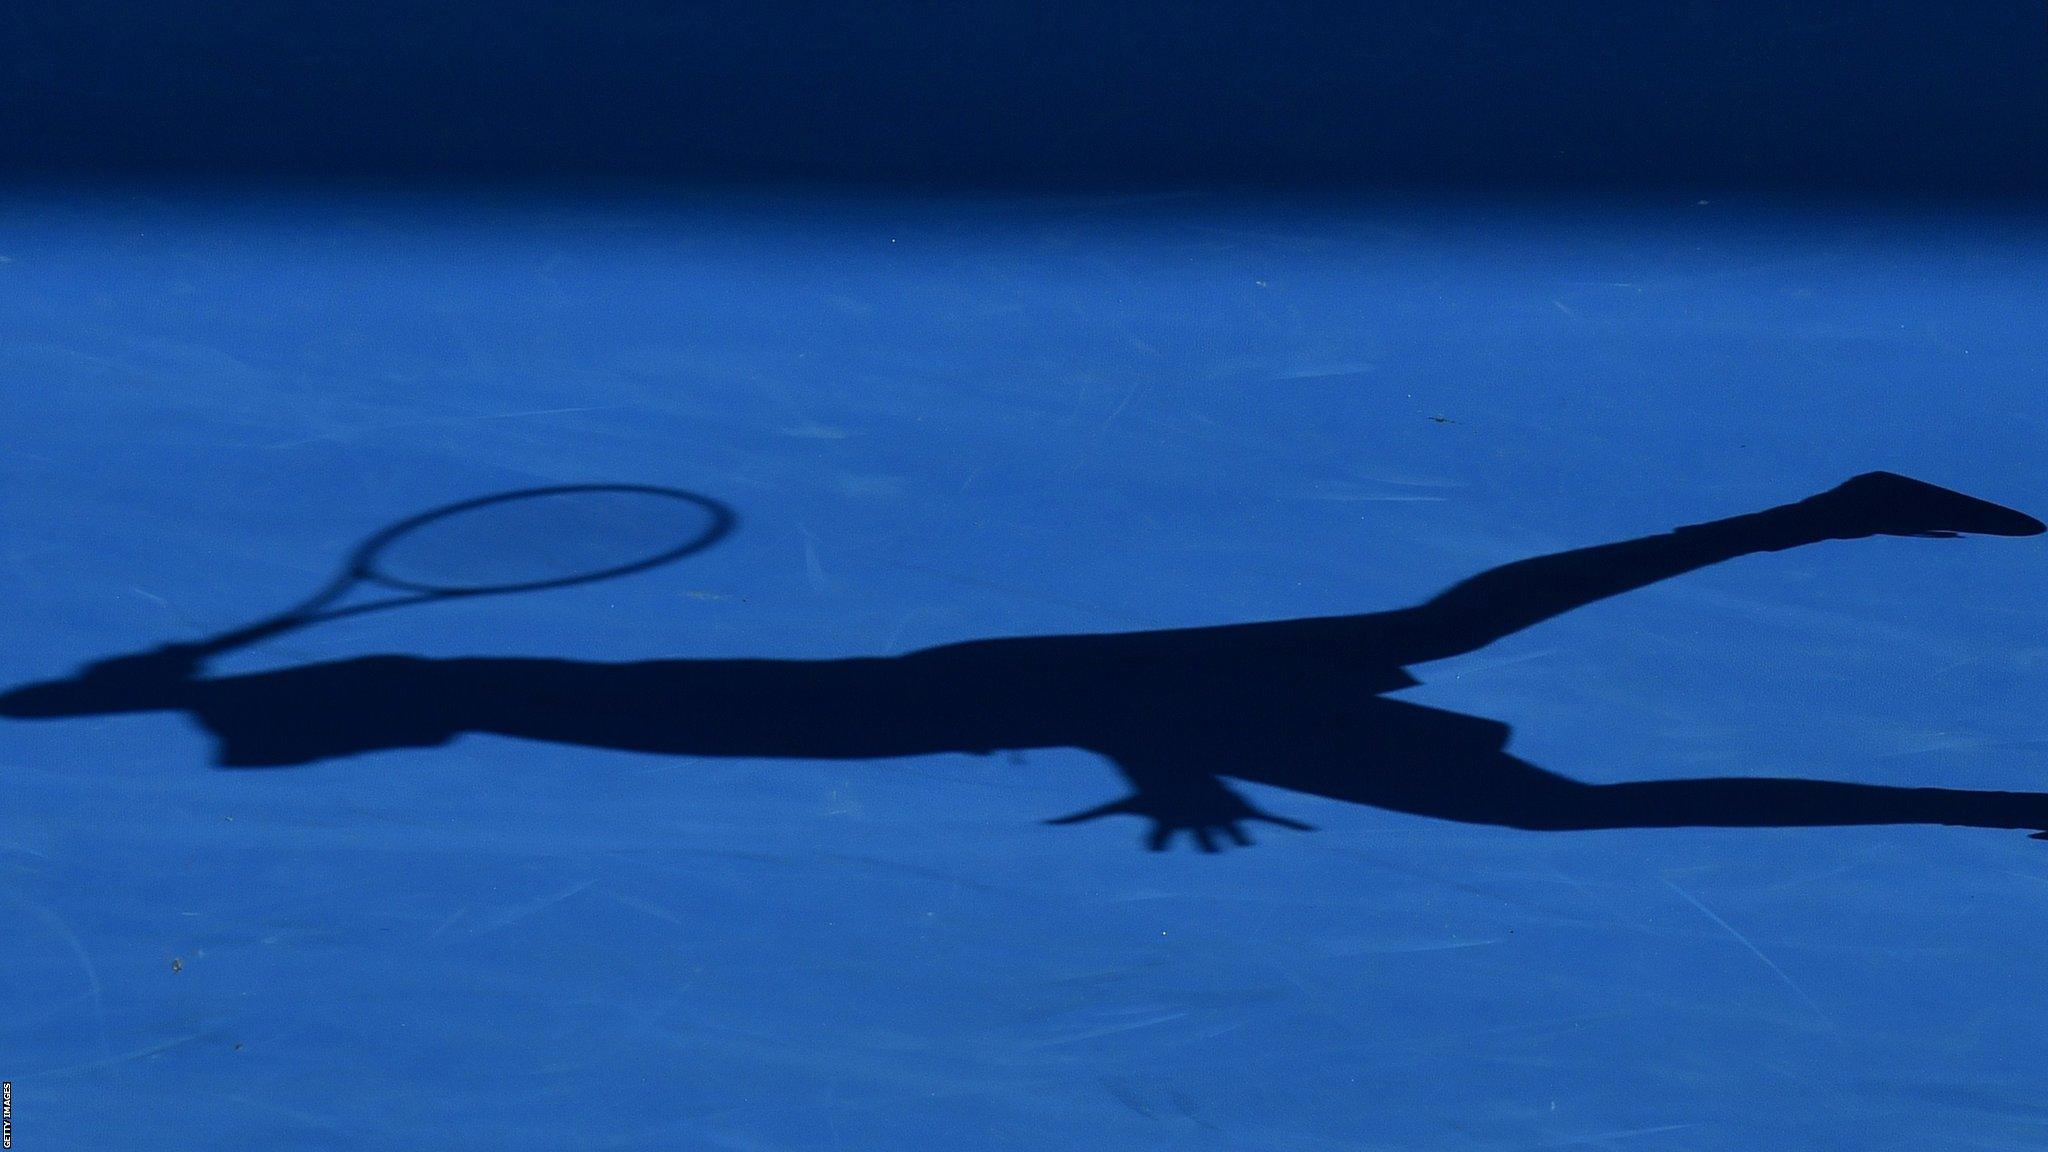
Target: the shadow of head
pixel 143 682
pixel 48 700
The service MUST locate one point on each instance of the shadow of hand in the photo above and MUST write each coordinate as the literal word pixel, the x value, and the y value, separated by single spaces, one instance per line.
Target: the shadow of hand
pixel 1200 805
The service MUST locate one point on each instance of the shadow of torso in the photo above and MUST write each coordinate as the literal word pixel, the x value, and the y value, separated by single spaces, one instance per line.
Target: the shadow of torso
pixel 1297 704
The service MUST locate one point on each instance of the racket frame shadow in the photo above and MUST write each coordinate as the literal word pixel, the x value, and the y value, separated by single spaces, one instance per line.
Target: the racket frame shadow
pixel 361 568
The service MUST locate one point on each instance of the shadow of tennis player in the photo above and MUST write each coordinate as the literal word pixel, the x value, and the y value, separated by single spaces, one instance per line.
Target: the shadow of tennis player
pixel 1292 703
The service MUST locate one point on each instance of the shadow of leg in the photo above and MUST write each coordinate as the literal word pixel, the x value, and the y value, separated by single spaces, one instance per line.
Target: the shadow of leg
pixel 1735 802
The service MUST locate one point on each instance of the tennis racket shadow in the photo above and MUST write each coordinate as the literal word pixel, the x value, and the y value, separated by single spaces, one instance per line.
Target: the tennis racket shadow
pixel 528 540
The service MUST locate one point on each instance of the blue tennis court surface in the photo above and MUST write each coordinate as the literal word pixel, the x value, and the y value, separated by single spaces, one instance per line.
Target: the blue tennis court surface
pixel 1424 576
pixel 956 420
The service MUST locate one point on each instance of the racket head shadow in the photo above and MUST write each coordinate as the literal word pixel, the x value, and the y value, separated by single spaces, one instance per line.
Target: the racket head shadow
pixel 535 539
pixel 665 525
